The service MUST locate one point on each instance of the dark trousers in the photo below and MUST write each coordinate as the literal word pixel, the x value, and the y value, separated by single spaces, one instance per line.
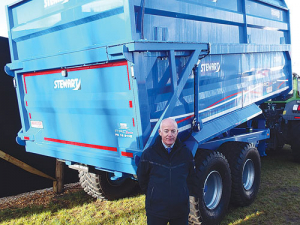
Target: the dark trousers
pixel 153 220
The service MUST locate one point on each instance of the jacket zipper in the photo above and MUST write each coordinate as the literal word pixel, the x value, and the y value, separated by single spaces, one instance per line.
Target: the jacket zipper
pixel 151 195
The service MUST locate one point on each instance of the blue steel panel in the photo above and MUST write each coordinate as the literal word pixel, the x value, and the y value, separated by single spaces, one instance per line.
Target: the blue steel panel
pixel 220 87
pixel 247 48
pixel 226 83
pixel 85 156
pixel 187 28
pixel 224 5
pixel 253 137
pixel 262 10
pixel 215 22
pixel 267 36
pixel 265 74
pixel 21 103
pixel 224 123
pixel 79 58
pixel 182 80
pixel 88 99
pixel 40 30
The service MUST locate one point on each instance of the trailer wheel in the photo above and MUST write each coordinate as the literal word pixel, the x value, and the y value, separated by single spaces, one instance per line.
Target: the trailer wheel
pixel 214 183
pixel 101 185
pixel 244 161
pixel 294 140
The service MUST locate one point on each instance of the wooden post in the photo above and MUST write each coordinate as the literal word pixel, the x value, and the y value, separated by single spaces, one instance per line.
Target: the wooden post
pixel 23 165
pixel 58 185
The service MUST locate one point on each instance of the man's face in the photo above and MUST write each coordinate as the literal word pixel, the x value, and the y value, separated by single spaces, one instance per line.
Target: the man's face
pixel 168 132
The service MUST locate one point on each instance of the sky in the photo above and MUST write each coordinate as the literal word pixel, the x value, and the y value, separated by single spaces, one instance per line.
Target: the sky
pixel 293 5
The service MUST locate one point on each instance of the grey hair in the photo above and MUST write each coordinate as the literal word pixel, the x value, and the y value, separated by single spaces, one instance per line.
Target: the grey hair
pixel 171 118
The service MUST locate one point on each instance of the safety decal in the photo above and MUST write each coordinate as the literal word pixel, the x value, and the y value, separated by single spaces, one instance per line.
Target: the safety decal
pixel 37 124
pixel 123 131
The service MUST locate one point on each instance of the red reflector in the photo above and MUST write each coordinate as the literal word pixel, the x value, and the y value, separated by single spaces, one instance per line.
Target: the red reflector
pixel 130 104
pixel 133 124
pixel 30 115
pixel 298 108
pixel 26 138
pixel 297 117
pixel 26 103
pixel 127 154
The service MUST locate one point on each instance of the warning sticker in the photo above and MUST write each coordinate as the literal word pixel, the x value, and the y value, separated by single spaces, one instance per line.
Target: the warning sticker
pixel 37 124
pixel 123 131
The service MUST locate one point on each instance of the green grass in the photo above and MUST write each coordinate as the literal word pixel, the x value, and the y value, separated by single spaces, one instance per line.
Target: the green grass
pixel 79 208
pixel 277 203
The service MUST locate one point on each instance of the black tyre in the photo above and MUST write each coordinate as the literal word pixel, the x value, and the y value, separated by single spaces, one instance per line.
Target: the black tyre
pixel 245 166
pixel 101 185
pixel 214 183
pixel 295 140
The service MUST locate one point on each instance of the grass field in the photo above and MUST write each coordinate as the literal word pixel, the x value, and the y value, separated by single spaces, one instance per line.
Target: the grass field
pixel 277 202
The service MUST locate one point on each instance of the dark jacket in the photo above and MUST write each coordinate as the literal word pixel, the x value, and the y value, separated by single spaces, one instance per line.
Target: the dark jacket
pixel 166 179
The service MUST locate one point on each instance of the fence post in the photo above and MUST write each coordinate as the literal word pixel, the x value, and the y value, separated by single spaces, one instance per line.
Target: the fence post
pixel 58 185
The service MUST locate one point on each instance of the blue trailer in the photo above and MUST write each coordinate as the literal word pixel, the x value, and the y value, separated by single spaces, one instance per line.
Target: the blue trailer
pixel 95 78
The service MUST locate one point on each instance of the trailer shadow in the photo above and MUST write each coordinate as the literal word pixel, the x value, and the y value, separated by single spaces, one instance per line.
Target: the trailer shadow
pixel 41 202
pixel 46 202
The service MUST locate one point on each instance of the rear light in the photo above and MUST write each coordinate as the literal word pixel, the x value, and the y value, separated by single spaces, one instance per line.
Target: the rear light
pixel 296 109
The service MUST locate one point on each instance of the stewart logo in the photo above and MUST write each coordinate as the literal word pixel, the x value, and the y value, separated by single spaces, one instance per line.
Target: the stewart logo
pixel 48 3
pixel 74 84
pixel 210 67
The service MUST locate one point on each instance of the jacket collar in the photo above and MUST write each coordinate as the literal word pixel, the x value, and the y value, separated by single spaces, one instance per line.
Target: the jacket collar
pixel 158 145
pixel 167 146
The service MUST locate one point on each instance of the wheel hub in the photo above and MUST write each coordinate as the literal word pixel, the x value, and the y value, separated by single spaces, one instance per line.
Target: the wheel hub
pixel 212 190
pixel 248 174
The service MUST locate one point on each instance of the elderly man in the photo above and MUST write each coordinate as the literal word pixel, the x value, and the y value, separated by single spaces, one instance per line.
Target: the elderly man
pixel 166 173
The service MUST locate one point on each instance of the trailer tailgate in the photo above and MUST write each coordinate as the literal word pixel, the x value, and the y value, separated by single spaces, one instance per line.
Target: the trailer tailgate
pixel 88 107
